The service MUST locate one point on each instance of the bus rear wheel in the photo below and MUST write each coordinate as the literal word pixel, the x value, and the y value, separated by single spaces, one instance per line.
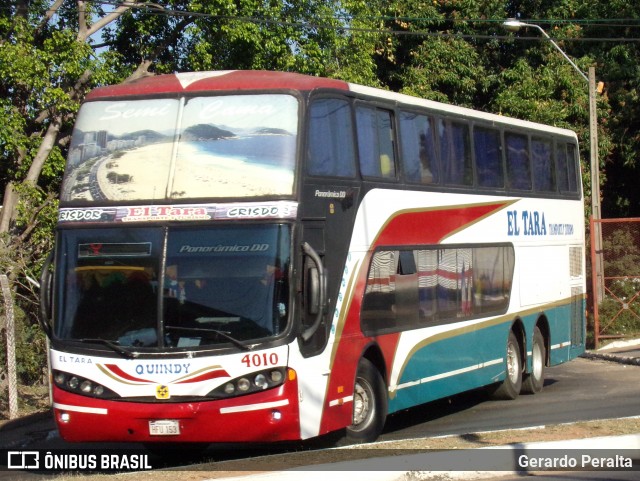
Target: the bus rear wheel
pixel 511 386
pixel 534 381
pixel 369 404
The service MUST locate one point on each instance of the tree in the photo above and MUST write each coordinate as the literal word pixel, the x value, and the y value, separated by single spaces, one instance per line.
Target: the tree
pixel 458 52
pixel 46 66
pixel 618 67
pixel 53 52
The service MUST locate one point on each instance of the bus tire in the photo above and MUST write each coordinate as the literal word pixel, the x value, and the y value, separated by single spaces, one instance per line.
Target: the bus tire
pixel 512 384
pixel 534 381
pixel 369 404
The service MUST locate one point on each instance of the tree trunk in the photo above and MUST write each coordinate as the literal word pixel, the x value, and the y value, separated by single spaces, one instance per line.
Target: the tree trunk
pixel 10 201
pixel 47 144
pixel 8 208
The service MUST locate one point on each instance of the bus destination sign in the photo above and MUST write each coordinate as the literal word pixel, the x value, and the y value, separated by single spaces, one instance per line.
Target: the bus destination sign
pixel 182 212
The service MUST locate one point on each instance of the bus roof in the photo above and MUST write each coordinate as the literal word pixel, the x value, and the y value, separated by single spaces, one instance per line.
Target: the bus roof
pixel 228 80
pixel 217 81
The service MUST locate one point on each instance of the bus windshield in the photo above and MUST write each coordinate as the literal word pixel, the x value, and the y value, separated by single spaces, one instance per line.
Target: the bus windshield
pixel 172 149
pixel 220 285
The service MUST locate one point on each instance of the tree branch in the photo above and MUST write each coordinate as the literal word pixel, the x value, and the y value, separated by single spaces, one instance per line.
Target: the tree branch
pixel 32 224
pixel 48 141
pixel 82 22
pixel 104 21
pixel 143 67
pixel 51 11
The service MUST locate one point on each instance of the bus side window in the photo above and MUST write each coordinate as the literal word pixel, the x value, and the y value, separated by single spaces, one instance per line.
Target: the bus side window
pixel 518 169
pixel 375 142
pixel 544 174
pixel 572 168
pixel 455 152
pixel 566 165
pixel 331 149
pixel 561 165
pixel 487 147
pixel 377 305
pixel 418 148
pixel 427 266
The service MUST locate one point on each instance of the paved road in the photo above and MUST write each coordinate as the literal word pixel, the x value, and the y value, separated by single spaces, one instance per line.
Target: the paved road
pixel 583 389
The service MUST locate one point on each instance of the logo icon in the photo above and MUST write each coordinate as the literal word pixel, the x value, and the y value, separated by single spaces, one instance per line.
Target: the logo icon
pixel 23 460
pixel 162 392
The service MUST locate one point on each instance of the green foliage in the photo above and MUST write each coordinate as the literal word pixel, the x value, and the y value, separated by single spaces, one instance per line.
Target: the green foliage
pixel 622 252
pixel 31 350
pixel 618 316
pixel 446 70
pixel 619 312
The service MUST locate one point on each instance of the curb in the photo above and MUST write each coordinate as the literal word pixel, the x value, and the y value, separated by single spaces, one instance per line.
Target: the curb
pixel 634 361
pixel 622 343
pixel 604 355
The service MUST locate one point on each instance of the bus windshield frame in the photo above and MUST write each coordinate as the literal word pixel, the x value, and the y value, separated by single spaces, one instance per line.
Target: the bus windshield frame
pixel 223 286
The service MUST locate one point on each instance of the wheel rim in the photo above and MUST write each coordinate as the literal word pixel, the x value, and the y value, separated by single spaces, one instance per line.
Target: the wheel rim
pixel 537 361
pixel 513 363
pixel 363 408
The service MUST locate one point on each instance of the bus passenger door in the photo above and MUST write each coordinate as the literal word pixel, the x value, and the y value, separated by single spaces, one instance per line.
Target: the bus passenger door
pixel 328 214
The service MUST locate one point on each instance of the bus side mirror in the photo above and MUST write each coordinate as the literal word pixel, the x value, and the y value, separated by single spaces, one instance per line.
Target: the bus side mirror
pixel 315 291
pixel 46 287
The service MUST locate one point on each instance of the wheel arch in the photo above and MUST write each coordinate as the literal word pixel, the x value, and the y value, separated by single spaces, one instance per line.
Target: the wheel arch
pixel 370 397
pixel 373 353
pixel 517 327
pixel 543 325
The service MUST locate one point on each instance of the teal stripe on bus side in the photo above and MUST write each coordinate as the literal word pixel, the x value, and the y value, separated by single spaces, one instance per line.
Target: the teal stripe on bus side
pixel 444 368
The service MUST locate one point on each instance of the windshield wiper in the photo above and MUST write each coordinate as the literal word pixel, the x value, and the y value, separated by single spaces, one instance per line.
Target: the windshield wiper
pixel 222 334
pixel 117 348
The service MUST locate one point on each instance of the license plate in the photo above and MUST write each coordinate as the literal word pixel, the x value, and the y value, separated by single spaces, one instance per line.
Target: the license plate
pixel 164 427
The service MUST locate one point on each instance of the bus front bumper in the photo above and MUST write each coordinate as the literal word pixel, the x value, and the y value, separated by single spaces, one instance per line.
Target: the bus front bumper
pixel 271 415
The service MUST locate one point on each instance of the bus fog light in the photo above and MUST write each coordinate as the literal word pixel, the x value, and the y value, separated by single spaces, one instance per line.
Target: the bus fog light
pixel 65 417
pixel 276 415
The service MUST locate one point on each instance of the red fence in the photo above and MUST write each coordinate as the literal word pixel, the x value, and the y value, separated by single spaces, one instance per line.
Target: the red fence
pixel 615 267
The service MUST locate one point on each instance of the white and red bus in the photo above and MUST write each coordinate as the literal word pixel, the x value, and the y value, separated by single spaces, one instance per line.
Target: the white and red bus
pixel 251 256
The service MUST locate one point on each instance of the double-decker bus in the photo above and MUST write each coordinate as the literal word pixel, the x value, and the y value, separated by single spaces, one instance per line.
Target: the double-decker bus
pixel 248 256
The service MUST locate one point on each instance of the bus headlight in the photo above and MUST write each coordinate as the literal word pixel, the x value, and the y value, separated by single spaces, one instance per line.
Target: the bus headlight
pixel 261 381
pixel 250 383
pixel 243 384
pixel 276 376
pixel 79 385
pixel 73 382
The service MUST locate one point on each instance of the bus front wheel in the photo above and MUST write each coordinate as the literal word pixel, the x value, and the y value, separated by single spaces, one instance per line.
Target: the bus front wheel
pixel 510 387
pixel 369 404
